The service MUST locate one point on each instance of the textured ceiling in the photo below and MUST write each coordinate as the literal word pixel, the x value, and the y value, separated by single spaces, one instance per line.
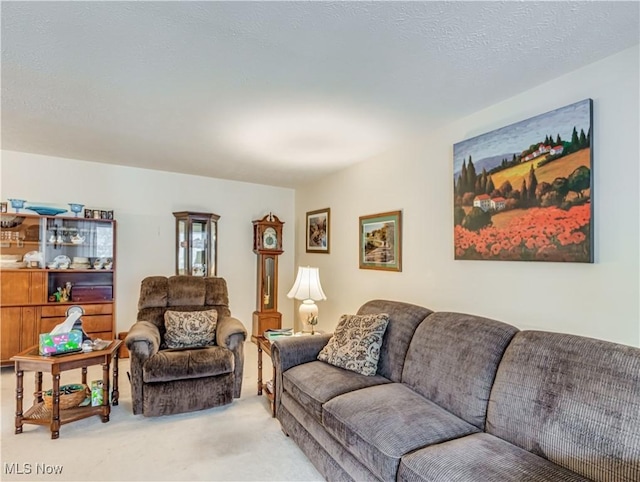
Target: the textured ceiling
pixel 276 92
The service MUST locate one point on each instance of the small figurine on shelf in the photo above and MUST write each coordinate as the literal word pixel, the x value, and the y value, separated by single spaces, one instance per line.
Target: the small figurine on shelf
pixel 66 292
pixel 58 294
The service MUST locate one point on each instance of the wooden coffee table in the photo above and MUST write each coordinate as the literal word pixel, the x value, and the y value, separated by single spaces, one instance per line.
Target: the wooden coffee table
pixel 38 414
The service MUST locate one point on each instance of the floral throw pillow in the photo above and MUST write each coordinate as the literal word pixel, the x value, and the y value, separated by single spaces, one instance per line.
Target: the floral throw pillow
pixel 355 344
pixel 188 329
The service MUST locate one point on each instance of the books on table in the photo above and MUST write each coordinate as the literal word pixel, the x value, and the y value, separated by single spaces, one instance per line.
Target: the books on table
pixel 275 333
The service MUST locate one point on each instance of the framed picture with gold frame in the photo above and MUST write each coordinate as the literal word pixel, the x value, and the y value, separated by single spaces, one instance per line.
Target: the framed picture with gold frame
pixel 317 227
pixel 381 241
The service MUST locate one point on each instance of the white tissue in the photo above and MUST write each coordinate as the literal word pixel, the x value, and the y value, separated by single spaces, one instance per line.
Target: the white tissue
pixel 66 325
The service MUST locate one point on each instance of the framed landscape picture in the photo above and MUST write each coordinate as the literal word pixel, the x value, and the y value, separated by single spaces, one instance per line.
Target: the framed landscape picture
pixel 523 192
pixel 381 241
pixel 318 231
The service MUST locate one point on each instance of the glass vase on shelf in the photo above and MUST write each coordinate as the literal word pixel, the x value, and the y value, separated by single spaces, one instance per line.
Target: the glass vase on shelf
pixel 17 204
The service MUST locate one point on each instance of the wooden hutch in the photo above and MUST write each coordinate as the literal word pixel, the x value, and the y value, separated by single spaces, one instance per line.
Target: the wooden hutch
pixel 67 252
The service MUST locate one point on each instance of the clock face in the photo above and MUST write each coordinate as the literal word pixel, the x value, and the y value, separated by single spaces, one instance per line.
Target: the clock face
pixel 269 238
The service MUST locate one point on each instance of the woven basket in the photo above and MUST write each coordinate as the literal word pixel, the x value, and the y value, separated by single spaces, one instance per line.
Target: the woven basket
pixel 70 396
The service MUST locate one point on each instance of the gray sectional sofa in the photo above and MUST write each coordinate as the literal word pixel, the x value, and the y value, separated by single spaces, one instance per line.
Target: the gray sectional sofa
pixel 458 397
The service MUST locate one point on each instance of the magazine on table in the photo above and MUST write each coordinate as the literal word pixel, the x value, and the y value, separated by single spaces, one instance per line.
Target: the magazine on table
pixel 274 333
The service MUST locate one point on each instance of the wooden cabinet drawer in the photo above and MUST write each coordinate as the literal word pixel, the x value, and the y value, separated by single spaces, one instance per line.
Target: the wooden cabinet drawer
pixel 61 310
pixel 90 324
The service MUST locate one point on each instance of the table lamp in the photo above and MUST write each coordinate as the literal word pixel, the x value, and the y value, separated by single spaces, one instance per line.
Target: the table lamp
pixel 308 289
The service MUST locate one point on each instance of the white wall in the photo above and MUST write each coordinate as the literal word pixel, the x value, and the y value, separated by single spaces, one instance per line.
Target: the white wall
pixel 143 201
pixel 599 300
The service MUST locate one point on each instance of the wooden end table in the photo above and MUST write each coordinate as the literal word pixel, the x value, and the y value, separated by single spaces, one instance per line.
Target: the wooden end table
pixel 38 414
pixel 264 345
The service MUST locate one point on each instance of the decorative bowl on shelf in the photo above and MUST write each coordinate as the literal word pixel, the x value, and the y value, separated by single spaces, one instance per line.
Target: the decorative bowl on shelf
pixel 46 210
pixel 76 208
pixel 10 221
pixel 17 204
pixel 77 239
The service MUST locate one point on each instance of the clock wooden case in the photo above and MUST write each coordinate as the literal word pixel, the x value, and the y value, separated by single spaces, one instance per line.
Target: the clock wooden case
pixel 267 244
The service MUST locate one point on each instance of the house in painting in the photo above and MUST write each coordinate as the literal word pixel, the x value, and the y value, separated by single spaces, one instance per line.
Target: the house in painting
pixel 542 149
pixel 498 203
pixel 482 201
pixel 486 202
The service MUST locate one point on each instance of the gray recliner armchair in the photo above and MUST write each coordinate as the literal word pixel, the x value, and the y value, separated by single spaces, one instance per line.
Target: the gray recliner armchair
pixel 166 380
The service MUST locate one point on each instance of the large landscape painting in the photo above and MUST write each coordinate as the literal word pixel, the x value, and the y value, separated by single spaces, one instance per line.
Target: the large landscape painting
pixel 523 192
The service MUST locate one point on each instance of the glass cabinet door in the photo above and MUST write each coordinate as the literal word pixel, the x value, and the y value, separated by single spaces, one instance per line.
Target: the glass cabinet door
pixel 196 243
pixel 77 243
pixel 20 235
pixel 181 248
pixel 199 248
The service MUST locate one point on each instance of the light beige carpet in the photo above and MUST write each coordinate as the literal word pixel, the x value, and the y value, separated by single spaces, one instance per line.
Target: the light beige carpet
pixel 235 442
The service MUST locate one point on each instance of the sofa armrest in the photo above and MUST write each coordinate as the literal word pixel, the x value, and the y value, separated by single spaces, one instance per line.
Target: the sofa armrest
pixel 143 339
pixel 291 351
pixel 231 333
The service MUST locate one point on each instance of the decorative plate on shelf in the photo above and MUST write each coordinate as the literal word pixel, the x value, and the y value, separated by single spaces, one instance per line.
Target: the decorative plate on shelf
pixel 62 259
pixel 46 210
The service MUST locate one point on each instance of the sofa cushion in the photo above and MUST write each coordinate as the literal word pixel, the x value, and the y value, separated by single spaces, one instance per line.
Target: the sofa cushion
pixel 355 344
pixel 452 360
pixel 380 424
pixel 336 463
pixel 169 365
pixel 480 457
pixel 572 400
pixel 185 329
pixel 403 320
pixel 302 382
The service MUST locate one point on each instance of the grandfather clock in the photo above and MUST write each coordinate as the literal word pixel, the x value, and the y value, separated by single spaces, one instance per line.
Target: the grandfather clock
pixel 267 244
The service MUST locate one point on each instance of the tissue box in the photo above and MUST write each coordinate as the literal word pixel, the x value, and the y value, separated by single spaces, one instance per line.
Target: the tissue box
pixel 60 343
pixel 97 393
